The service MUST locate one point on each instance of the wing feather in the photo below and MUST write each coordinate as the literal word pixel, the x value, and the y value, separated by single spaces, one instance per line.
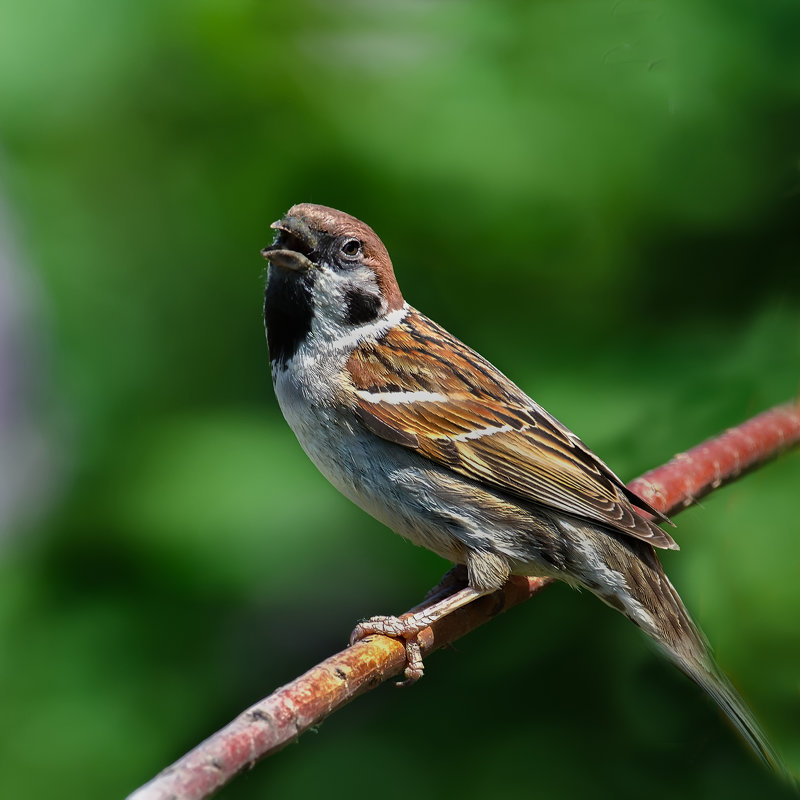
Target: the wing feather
pixel 491 433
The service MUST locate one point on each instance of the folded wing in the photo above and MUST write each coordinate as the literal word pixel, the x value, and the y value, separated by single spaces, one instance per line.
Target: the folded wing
pixel 456 409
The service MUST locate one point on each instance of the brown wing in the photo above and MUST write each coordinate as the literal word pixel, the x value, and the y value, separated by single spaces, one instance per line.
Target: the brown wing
pixel 492 433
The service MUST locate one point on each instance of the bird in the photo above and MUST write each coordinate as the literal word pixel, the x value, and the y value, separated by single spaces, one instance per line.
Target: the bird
pixel 435 442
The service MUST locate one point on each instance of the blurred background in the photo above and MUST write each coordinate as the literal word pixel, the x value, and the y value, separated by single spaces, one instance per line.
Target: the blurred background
pixel 601 197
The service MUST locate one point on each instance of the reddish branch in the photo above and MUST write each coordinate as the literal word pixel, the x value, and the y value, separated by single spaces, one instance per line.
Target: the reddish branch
pixel 281 718
pixel 720 461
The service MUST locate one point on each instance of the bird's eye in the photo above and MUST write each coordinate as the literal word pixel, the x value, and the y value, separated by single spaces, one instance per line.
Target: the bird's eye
pixel 350 248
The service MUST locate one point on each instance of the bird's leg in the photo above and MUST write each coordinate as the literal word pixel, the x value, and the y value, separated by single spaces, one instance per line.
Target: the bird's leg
pixel 454 579
pixel 408 627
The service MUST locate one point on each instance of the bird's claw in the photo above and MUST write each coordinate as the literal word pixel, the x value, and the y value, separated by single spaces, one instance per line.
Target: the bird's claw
pixel 408 630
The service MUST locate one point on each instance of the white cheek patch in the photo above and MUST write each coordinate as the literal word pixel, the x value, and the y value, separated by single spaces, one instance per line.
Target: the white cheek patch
pixel 329 296
pixel 333 291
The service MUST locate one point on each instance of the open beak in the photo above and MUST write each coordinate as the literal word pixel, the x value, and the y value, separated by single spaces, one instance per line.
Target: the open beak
pixel 293 245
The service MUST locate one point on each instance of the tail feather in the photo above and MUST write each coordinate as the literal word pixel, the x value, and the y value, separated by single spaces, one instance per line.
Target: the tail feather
pixel 646 596
pixel 710 678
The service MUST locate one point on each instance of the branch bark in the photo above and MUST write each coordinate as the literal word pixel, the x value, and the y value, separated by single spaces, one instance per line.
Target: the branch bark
pixel 281 718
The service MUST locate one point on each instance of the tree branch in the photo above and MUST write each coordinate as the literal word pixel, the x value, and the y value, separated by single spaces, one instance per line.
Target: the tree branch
pixel 719 461
pixel 281 718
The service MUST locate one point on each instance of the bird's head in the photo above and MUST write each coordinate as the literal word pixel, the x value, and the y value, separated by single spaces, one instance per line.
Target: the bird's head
pixel 330 273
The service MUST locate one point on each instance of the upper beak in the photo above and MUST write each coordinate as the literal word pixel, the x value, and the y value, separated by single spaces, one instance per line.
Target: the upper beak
pixel 293 245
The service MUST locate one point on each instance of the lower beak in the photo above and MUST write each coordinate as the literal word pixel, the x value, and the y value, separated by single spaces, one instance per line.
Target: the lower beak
pixel 286 259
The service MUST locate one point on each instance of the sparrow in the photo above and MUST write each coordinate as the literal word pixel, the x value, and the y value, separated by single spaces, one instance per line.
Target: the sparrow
pixel 435 442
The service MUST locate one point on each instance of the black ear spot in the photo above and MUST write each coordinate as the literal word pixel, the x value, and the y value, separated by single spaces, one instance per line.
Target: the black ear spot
pixel 362 306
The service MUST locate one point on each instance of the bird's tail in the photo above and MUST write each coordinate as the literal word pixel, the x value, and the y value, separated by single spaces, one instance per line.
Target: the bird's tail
pixel 654 605
pixel 709 676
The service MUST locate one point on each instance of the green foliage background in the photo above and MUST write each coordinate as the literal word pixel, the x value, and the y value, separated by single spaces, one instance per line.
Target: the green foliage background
pixel 602 197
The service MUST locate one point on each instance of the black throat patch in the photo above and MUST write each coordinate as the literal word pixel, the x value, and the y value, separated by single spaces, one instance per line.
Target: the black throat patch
pixel 288 312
